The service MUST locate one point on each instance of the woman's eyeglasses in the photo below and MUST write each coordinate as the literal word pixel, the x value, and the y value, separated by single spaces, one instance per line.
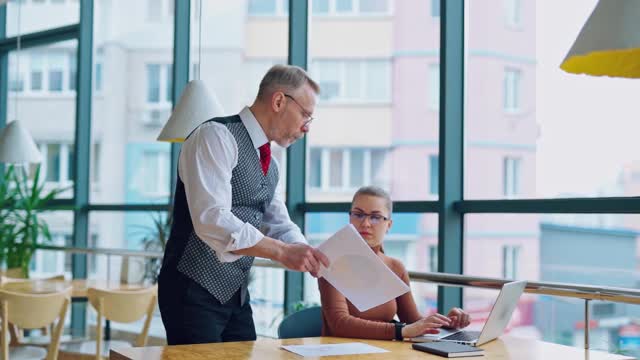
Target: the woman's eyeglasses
pixel 374 219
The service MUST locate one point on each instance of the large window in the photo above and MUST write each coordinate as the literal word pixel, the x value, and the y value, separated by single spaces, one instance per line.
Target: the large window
pixel 131 102
pixel 377 62
pixel 232 66
pixel 560 248
pixel 43 101
pixel 380 87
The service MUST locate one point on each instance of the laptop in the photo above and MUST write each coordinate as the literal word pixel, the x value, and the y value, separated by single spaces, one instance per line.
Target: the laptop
pixel 496 323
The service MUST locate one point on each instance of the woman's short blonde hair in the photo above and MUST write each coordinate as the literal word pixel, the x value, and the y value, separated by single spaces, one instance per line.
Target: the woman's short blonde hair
pixel 377 192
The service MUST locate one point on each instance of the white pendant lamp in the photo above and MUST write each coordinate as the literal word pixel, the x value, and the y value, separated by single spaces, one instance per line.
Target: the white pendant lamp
pixel 17 146
pixel 196 104
pixel 609 42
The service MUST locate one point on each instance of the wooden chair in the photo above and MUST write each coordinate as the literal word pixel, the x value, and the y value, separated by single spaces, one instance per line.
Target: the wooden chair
pixel 124 306
pixel 33 311
pixel 15 273
pixel 16 334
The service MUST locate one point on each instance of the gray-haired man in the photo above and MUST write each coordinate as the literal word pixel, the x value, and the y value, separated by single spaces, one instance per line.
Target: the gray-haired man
pixel 226 212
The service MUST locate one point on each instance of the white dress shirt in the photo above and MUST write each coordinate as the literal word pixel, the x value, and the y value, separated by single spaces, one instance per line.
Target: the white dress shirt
pixel 206 161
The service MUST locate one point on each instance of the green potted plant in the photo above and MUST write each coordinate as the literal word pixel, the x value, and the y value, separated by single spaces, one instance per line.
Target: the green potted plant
pixel 7 200
pixel 24 200
pixel 155 240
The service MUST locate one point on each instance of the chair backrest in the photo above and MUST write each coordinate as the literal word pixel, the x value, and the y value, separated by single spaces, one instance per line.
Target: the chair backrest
pixel 304 323
pixel 16 273
pixel 34 311
pixel 5 279
pixel 124 306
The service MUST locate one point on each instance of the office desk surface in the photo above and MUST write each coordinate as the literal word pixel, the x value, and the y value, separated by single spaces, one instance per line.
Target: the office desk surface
pixel 266 349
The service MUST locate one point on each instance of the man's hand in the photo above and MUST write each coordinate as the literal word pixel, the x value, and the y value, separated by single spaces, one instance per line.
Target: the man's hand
pixel 302 257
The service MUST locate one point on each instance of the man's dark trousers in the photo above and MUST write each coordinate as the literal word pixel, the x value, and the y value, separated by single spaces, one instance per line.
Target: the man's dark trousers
pixel 191 315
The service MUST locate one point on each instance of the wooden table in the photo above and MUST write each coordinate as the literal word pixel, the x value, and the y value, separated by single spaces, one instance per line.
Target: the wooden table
pixel 265 349
pixel 80 286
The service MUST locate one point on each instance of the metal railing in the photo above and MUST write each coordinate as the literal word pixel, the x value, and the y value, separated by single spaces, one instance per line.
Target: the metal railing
pixel 584 292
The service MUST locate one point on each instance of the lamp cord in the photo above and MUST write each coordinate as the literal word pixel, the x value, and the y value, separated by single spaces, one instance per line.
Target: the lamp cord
pixel 18 77
pixel 199 39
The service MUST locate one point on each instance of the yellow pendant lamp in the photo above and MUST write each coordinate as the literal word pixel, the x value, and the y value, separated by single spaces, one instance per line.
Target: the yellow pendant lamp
pixel 609 42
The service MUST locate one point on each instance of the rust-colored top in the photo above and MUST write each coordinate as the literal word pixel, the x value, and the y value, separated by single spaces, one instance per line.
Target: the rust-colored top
pixel 341 318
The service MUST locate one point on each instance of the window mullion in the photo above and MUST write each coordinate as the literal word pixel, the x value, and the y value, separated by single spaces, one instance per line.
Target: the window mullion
pixel 346 167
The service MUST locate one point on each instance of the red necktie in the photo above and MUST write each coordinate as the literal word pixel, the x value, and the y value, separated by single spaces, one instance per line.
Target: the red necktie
pixel 265 157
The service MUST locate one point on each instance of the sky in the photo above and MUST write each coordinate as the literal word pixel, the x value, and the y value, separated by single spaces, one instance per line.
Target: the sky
pixel 589 126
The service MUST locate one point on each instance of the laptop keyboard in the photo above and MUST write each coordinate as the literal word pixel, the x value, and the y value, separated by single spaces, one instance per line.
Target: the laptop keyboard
pixel 463 336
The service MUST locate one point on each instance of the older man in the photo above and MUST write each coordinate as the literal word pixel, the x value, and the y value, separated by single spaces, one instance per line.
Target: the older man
pixel 227 211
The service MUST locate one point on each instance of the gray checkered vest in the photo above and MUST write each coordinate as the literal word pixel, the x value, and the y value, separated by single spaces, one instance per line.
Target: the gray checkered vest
pixel 251 194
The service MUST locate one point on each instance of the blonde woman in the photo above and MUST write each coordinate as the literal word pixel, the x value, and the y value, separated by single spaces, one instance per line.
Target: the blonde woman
pixel 371 216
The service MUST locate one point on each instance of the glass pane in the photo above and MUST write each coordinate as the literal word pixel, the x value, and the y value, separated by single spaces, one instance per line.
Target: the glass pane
pixel 131 104
pixel 376 86
pixel 131 230
pixel 233 77
pixel 46 263
pixel 40 15
pixel 412 239
pixel 45 103
pixel 266 287
pixel 561 248
pixel 518 106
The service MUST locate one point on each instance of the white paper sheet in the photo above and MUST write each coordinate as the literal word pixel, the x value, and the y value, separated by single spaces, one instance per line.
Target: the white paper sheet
pixel 333 349
pixel 357 272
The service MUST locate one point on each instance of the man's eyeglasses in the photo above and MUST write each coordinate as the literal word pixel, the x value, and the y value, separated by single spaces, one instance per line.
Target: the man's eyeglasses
pixel 374 219
pixel 306 113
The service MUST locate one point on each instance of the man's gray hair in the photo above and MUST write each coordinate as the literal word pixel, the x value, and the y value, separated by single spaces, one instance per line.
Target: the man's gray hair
pixel 377 192
pixel 286 78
